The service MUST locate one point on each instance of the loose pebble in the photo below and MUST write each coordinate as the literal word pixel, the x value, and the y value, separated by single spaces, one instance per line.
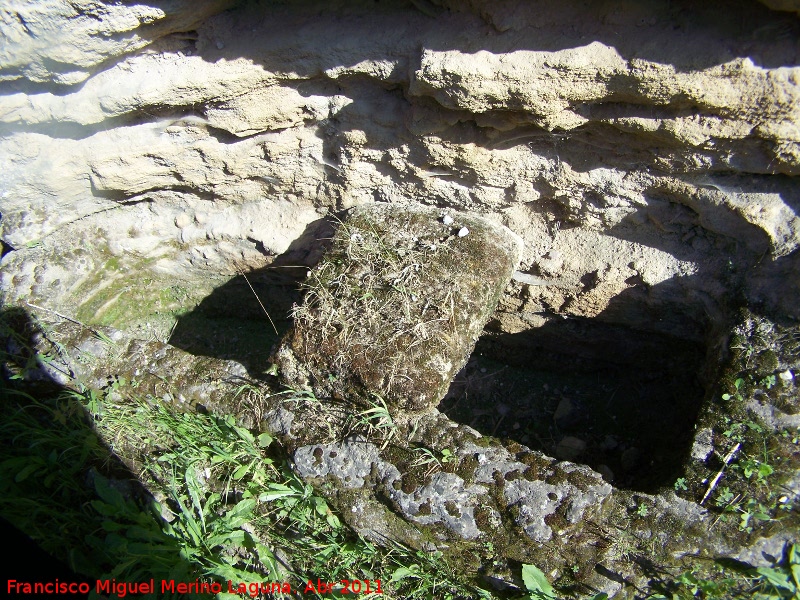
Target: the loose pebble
pixel 463 232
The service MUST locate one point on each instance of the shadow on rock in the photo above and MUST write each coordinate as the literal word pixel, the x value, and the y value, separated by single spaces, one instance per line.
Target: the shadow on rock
pixel 620 391
pixel 85 511
pixel 244 318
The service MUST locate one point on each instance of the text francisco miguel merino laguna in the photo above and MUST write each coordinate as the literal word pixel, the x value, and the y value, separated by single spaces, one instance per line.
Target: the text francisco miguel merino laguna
pixel 253 589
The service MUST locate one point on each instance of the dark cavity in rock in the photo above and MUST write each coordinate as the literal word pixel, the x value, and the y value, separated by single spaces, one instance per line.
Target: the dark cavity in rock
pixel 620 400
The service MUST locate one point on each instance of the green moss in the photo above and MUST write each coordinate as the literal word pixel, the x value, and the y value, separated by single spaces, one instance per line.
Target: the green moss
pixel 482 517
pixel 499 479
pixel 538 465
pixel 557 477
pixel 409 483
pixel 452 509
pixel 115 294
pixel 766 362
pixel 496 493
pixel 466 468
pixel 512 446
pixel 758 348
pixel 112 264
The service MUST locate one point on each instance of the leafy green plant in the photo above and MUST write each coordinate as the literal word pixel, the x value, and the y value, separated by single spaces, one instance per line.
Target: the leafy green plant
pixel 782 580
pixel 539 588
pixel 688 585
pixel 754 468
pixel 737 430
pixel 536 583
pixel 139 542
pixel 427 458
pixel 46 449
pixel 795 435
pixel 778 582
pixel 226 509
pixel 769 381
pixel 425 578
pixel 737 393
pixel 747 509
pixel 378 420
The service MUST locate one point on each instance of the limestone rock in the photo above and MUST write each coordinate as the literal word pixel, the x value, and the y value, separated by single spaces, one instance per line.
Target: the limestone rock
pixel 396 304
pixel 646 154
pixel 64 42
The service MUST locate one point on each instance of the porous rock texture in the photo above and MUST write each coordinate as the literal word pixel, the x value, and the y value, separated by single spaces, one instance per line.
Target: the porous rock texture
pixel 646 153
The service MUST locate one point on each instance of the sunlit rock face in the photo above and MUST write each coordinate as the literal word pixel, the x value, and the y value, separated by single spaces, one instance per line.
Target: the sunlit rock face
pixel 638 150
pixel 646 154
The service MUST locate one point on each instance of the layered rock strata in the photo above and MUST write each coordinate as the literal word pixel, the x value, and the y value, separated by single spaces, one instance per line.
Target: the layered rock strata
pixel 645 153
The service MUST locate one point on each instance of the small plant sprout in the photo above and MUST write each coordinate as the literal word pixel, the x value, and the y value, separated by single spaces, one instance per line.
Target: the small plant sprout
pixel 752 467
pixel 736 394
pixel 539 588
pixel 428 459
pixel 769 381
pixel 752 509
pixel 680 484
pixel 378 418
pixel 536 584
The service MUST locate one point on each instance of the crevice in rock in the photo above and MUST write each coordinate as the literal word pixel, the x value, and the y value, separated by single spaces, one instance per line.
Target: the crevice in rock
pixel 22 85
pixel 5 248
pixel 154 115
pixel 611 108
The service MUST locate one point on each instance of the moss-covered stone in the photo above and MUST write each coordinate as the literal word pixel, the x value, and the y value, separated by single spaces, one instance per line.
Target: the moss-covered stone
pixel 747 431
pixel 394 308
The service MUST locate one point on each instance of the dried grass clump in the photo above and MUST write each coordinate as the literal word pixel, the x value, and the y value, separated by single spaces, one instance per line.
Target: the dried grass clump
pixel 396 304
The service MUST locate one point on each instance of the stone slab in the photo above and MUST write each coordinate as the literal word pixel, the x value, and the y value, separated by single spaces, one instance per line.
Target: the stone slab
pixel 395 306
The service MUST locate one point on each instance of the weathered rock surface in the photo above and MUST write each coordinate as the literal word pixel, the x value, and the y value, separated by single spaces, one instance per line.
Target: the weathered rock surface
pixel 65 42
pixel 395 306
pixel 646 153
